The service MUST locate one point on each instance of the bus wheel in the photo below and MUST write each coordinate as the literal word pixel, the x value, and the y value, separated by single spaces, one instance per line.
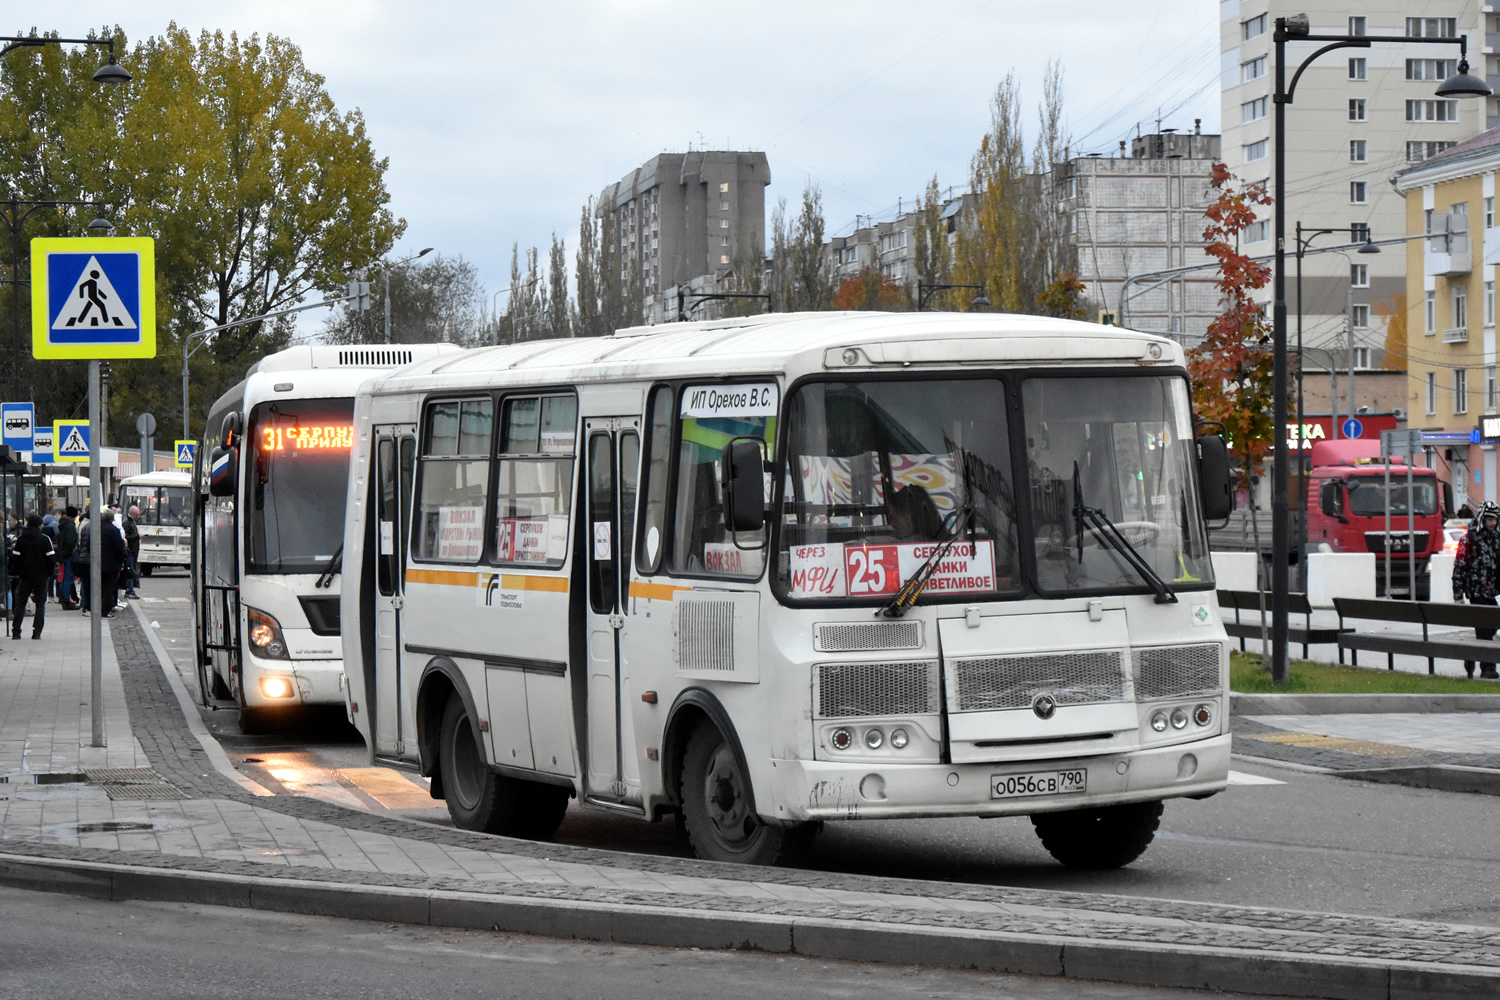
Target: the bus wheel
pixel 545 810
pixel 1105 837
pixel 252 720
pixel 478 798
pixel 716 805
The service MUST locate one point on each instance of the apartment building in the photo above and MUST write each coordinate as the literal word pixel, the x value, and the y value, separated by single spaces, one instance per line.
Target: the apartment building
pixel 1360 116
pixel 1140 213
pixel 1451 277
pixel 681 216
pixel 890 246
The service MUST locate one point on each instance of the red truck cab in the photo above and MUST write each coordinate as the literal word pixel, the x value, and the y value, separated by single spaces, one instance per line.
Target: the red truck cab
pixel 1347 501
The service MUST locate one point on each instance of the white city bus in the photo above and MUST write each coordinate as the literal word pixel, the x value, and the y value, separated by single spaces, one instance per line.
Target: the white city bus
pixel 270 479
pixel 166 517
pixel 774 571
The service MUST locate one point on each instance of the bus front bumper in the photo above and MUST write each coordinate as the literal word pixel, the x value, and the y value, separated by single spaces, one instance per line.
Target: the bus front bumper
pixel 312 682
pixel 828 790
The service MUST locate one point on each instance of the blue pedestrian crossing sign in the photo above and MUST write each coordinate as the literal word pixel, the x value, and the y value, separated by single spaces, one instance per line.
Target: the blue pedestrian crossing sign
pixel 71 440
pixel 18 421
pixel 93 298
pixel 185 451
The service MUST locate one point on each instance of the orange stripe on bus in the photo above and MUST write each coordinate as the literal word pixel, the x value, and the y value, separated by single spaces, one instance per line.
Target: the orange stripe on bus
pixel 555 584
pixel 654 591
pixel 442 577
pixel 510 581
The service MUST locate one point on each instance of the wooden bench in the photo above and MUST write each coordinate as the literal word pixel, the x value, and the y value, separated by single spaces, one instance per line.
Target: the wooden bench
pixel 1249 601
pixel 1424 614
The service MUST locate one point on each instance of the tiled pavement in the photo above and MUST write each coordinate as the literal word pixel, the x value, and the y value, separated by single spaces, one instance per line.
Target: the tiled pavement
pixel 195 834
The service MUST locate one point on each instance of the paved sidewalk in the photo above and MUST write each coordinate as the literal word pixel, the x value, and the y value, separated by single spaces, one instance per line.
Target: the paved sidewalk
pixel 157 819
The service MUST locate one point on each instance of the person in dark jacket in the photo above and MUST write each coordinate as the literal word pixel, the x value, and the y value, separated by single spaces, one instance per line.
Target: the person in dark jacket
pixel 113 557
pixel 81 557
pixel 34 556
pixel 1476 572
pixel 133 547
pixel 67 543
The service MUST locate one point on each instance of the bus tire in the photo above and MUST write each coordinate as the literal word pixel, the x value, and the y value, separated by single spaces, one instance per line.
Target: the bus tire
pixel 545 810
pixel 478 798
pixel 1099 838
pixel 716 805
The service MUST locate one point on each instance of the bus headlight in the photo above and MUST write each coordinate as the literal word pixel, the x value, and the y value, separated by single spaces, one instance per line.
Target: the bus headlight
pixel 1179 718
pixel 899 739
pixel 266 639
pixel 1159 722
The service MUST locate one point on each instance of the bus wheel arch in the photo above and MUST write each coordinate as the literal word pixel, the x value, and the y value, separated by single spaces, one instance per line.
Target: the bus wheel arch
pixel 693 708
pixel 441 681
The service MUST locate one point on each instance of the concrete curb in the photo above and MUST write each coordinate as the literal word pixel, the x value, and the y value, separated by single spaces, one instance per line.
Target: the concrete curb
pixel 1158 965
pixel 1361 704
pixel 1442 777
pixel 211 747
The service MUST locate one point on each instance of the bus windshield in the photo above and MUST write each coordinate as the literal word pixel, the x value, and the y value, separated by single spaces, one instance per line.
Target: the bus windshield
pixel 881 472
pixel 296 483
pixel 159 505
pixel 1123 447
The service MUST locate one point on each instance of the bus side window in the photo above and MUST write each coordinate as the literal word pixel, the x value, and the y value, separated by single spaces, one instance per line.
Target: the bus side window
pixel 656 473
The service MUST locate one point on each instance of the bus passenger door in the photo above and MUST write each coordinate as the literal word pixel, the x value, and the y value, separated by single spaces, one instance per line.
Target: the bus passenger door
pixel 613 467
pixel 395 451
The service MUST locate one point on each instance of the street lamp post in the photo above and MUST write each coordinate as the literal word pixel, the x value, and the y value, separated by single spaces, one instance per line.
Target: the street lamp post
pixel 1462 84
pixel 421 253
pixel 926 291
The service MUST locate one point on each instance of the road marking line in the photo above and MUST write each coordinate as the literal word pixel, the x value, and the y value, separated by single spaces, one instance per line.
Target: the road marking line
pixel 389 787
pixel 1243 778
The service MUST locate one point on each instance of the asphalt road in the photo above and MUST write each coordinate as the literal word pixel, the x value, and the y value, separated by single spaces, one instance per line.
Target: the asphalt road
pixel 61 946
pixel 1280 838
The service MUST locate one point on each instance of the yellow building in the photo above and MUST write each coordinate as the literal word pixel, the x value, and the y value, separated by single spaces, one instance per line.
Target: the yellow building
pixel 1450 328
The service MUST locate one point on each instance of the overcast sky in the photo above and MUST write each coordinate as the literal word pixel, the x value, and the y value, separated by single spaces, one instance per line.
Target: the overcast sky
pixel 500 119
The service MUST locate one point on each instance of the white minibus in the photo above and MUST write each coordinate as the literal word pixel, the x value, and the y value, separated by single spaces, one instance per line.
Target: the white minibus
pixel 270 478
pixel 166 517
pixel 774 571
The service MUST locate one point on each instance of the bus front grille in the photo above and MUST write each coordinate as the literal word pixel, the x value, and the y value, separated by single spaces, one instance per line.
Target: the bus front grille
pixel 1008 682
pixel 1175 671
pixel 859 690
pixel 853 637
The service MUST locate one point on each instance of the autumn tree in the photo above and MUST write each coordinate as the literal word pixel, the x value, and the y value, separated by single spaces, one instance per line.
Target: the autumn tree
pixel 437 299
pixel 1063 298
pixel 800 274
pixel 870 290
pixel 1014 238
pixel 586 275
pixel 231 153
pixel 934 258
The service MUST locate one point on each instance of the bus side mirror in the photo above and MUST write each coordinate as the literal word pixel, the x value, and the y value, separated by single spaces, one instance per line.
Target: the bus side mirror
pixel 743 476
pixel 1214 485
pixel 221 464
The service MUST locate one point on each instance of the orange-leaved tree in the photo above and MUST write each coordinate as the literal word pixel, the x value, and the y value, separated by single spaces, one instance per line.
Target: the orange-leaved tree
pixel 869 289
pixel 1231 367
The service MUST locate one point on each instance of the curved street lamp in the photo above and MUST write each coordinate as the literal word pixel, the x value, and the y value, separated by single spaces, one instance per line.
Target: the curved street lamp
pixel 1462 84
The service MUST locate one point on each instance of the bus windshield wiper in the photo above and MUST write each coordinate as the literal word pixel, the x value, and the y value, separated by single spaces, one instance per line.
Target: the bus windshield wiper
pixel 1095 520
pixel 334 565
pixel 917 582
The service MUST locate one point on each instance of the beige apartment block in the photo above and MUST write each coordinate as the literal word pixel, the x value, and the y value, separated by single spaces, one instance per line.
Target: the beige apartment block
pixel 1358 117
pixel 1451 278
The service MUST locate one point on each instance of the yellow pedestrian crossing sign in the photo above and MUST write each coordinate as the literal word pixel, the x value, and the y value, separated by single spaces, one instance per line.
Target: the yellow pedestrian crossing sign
pixel 71 438
pixel 185 451
pixel 93 298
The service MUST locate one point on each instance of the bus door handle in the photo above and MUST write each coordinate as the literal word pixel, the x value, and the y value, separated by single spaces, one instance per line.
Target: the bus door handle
pixel 616 621
pixel 398 602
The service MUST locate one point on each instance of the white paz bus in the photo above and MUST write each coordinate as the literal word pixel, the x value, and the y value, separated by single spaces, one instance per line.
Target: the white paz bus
pixel 776 571
pixel 165 522
pixel 270 480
